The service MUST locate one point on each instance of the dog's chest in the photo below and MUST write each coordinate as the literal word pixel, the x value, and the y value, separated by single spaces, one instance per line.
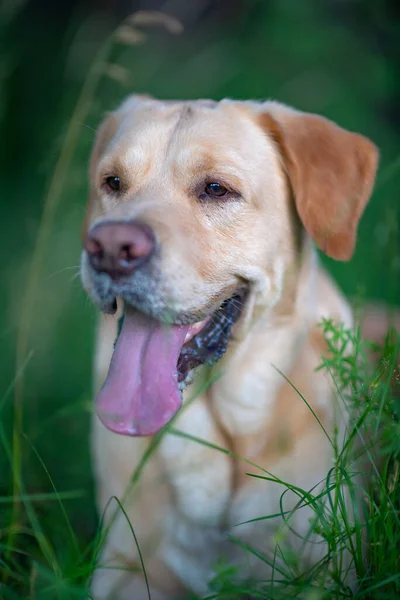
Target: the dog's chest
pixel 197 465
pixel 199 522
pixel 205 504
pixel 197 457
pixel 201 480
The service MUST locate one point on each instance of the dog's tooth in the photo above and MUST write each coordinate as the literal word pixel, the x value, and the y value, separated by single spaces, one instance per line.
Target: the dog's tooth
pixel 195 329
pixel 182 385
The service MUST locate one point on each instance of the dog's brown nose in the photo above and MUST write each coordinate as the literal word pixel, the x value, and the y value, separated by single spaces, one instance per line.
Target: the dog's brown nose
pixel 118 248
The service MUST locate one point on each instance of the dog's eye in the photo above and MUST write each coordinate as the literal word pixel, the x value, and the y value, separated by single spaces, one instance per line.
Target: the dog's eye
pixel 113 183
pixel 216 190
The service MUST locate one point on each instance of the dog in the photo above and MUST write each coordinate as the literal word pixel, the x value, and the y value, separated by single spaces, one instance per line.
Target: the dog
pixel 199 250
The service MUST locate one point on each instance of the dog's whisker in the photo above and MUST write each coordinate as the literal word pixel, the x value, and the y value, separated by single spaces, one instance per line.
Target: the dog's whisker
pixel 74 267
pixel 75 276
pixel 219 326
pixel 237 303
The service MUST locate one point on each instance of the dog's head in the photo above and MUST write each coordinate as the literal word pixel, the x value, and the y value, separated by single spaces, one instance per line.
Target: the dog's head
pixel 196 209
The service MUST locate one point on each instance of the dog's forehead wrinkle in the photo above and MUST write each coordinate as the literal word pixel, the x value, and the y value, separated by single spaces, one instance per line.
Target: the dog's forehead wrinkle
pixel 191 119
pixel 186 113
pixel 147 138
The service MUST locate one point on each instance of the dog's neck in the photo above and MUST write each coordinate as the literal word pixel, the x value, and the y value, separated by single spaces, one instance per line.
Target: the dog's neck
pixel 248 385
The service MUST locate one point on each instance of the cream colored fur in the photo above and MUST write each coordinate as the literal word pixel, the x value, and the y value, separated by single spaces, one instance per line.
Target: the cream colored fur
pixel 189 495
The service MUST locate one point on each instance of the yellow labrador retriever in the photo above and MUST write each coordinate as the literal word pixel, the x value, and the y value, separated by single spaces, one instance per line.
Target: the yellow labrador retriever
pixel 200 227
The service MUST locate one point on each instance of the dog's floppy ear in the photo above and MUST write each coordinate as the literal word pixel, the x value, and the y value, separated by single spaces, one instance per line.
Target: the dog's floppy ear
pixel 331 172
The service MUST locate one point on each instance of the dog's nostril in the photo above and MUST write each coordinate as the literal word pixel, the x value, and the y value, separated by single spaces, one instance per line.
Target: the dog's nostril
pixel 93 247
pixel 127 253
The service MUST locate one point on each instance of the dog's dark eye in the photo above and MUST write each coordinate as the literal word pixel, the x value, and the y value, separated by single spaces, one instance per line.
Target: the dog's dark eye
pixel 113 183
pixel 215 189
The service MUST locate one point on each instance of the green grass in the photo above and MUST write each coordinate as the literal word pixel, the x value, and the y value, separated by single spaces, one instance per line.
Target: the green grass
pixel 49 533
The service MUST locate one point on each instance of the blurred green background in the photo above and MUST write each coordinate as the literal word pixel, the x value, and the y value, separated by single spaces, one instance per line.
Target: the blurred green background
pixel 335 57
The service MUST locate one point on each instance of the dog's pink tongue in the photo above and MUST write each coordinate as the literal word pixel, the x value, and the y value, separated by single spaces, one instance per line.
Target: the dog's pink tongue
pixel 140 394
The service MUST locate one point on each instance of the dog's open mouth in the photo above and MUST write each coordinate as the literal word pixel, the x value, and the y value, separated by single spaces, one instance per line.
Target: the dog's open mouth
pixel 152 363
pixel 207 341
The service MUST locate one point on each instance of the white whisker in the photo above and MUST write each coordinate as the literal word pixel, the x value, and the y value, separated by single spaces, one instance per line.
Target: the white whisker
pixel 75 267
